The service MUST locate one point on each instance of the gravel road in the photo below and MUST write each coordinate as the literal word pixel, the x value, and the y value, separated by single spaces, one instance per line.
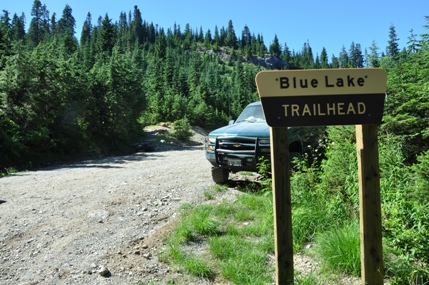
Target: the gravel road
pixel 97 222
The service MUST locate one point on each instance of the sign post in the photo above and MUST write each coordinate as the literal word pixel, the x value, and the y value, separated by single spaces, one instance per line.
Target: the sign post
pixel 326 97
pixel 370 205
pixel 282 205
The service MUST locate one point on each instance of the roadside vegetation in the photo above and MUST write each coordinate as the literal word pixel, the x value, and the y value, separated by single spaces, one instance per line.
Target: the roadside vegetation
pixel 237 236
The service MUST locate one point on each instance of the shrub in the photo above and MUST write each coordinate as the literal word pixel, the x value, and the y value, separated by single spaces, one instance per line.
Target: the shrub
pixel 182 129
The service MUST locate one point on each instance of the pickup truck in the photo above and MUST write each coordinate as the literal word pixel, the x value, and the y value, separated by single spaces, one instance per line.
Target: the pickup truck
pixel 238 146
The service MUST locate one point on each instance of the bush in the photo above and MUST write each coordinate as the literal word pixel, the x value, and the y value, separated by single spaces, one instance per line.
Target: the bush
pixel 182 129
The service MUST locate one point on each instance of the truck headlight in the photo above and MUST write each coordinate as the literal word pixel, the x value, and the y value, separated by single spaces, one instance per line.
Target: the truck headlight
pixel 210 143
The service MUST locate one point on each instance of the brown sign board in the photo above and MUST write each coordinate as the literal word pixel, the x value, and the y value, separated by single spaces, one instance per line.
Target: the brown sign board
pixel 322 96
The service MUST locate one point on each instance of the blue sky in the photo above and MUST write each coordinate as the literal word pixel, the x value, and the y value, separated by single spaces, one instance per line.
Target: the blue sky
pixel 330 23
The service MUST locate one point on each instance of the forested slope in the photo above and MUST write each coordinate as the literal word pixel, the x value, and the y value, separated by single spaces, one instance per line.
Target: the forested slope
pixel 60 95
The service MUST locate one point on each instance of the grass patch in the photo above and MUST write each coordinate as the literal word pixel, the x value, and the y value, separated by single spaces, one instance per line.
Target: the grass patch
pixel 210 192
pixel 234 241
pixel 339 249
pixel 238 237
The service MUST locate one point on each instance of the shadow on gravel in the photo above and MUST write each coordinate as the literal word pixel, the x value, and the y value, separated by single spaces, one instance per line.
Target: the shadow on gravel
pixel 2 201
pixel 109 162
pixel 112 162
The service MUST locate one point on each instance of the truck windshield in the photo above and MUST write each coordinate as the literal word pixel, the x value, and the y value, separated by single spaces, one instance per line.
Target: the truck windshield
pixel 252 114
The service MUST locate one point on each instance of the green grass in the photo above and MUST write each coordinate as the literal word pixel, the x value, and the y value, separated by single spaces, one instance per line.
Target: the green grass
pixel 238 237
pixel 238 241
pixel 339 249
pixel 210 192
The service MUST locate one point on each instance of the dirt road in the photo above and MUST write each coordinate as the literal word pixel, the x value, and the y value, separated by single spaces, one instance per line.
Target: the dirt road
pixel 97 222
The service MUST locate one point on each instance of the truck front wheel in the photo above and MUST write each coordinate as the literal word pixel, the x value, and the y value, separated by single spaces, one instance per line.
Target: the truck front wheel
pixel 220 175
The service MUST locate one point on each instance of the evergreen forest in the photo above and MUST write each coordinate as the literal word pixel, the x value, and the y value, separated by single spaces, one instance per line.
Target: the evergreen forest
pixel 63 97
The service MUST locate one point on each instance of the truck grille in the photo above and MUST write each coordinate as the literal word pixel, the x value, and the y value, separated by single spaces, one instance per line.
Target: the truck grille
pixel 236 144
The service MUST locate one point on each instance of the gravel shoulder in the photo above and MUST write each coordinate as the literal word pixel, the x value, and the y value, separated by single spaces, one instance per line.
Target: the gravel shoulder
pixel 64 225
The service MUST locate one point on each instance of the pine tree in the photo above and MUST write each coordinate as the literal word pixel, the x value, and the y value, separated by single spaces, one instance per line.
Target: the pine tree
pixel 392 49
pixel 344 60
pixel 324 59
pixel 161 46
pixel 137 31
pixel 208 39
pixel 17 31
pixel 5 42
pixel 287 55
pixel 355 56
pixel 231 38
pixel 39 26
pixel 188 37
pixel 373 57
pixel 54 24
pixel 307 56
pixel 85 35
pixel 106 39
pixel 413 44
pixel 66 30
pixel 275 47
pixel 335 63
pixel 67 23
pixel 246 37
pixel 5 20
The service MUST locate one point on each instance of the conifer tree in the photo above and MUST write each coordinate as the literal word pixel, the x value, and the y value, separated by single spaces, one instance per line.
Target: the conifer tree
pixel 106 39
pixel 344 60
pixel 5 20
pixel 17 32
pixel 216 39
pixel 392 49
pixel 307 56
pixel 208 39
pixel 355 56
pixel 324 59
pixel 136 25
pixel 124 33
pixel 246 37
pixel 335 63
pixel 413 44
pixel 373 56
pixel 85 35
pixel 39 26
pixel 275 47
pixel 231 38
pixel 66 30
pixel 5 43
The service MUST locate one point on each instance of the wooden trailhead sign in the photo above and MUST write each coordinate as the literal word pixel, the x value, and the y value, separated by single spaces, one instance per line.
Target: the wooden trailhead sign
pixel 326 97
pixel 322 96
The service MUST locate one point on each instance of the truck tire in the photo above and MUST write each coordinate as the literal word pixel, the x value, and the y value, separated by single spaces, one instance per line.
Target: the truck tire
pixel 220 175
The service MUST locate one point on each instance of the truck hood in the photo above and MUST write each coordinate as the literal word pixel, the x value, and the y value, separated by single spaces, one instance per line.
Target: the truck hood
pixel 243 130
